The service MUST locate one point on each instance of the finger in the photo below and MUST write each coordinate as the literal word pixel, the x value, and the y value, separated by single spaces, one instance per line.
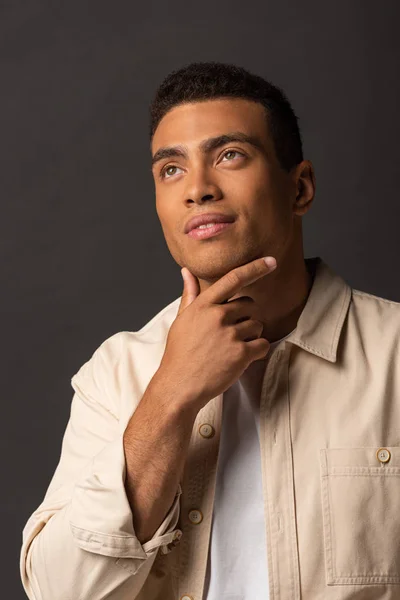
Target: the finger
pixel 249 329
pixel 231 283
pixel 191 289
pixel 258 348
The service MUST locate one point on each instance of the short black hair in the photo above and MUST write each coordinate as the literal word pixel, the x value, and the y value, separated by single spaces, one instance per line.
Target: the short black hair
pixel 200 81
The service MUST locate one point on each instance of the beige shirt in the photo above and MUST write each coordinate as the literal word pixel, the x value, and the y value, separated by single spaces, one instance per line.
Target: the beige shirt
pixel 239 571
pixel 330 461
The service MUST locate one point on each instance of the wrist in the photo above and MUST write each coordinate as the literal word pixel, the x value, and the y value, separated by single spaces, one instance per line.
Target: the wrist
pixel 174 395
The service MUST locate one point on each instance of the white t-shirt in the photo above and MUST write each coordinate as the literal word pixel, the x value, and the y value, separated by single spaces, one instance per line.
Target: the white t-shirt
pixel 237 567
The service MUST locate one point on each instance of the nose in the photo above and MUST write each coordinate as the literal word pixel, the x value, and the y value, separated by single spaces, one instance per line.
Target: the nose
pixel 200 188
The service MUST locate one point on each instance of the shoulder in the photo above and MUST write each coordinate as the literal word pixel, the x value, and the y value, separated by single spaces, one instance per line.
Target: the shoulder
pixel 101 377
pixel 374 314
pixel 363 301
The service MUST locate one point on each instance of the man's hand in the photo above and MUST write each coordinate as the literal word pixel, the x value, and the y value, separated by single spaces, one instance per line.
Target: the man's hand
pixel 213 340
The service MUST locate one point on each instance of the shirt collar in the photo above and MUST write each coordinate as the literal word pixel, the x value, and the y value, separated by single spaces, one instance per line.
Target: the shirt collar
pixel 320 323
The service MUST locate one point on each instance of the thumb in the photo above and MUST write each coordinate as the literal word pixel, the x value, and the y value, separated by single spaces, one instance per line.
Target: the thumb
pixel 191 289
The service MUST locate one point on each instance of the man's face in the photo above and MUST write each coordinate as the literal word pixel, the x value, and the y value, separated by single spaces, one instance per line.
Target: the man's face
pixel 235 178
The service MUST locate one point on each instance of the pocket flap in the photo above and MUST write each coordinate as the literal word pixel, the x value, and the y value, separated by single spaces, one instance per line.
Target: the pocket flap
pixel 339 461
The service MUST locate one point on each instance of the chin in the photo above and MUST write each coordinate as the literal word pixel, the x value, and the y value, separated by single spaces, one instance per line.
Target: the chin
pixel 214 265
pixel 210 275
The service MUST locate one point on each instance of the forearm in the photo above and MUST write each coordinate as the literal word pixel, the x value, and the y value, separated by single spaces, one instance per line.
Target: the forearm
pixel 156 443
pixel 91 525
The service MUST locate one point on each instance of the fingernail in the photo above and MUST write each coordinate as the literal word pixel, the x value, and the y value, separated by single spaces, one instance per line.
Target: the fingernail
pixel 270 261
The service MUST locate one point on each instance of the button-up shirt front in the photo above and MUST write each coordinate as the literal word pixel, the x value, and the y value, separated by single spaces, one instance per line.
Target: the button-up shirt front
pixel 239 570
pixel 329 424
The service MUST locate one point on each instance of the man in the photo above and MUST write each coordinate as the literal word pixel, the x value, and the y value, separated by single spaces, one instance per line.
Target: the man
pixel 245 443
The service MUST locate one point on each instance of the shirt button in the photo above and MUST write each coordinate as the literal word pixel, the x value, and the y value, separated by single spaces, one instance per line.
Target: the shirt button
pixel 177 537
pixel 175 541
pixel 206 430
pixel 196 516
pixel 383 455
pixel 186 597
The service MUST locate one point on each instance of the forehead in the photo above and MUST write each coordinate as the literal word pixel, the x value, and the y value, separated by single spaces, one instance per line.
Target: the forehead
pixel 190 123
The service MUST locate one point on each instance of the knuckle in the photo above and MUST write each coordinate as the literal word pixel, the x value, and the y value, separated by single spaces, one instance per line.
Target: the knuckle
pixel 256 327
pixel 241 351
pixel 218 313
pixel 232 335
pixel 233 278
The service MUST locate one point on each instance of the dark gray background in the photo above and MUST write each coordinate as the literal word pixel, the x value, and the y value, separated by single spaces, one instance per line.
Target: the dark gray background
pixel 83 254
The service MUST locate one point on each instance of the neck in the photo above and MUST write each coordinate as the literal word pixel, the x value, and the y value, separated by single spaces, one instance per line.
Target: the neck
pixel 280 297
pixel 281 314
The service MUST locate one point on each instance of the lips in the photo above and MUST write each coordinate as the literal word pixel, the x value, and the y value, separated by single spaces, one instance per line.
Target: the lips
pixel 208 218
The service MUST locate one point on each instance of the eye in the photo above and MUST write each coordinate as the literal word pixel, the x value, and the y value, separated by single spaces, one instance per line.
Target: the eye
pixel 232 152
pixel 168 167
pixel 165 169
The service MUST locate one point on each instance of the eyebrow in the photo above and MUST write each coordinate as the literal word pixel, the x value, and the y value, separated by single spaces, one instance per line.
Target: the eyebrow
pixel 207 146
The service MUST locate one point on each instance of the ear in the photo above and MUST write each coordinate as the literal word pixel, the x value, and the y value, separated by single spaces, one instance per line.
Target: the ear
pixel 304 177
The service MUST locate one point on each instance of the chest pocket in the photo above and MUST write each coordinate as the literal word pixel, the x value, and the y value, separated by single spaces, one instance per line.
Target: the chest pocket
pixel 361 514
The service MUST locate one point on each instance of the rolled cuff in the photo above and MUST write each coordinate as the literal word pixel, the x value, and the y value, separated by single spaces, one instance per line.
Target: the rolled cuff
pixel 100 513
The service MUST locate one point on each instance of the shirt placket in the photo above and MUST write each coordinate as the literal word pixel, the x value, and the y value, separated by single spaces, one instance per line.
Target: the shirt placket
pixel 197 501
pixel 278 480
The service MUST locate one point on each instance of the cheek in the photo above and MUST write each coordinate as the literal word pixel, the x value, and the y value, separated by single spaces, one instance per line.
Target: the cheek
pixel 170 223
pixel 165 213
pixel 270 215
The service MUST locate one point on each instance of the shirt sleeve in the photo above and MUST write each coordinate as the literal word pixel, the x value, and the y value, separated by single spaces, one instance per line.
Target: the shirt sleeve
pixel 80 542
